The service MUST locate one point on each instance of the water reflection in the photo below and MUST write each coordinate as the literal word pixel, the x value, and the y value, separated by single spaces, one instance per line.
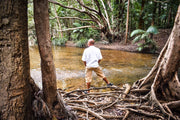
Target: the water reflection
pixel 119 67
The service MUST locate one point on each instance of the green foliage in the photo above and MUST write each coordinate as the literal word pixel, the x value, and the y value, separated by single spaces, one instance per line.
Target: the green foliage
pixel 78 30
pixel 82 35
pixel 152 29
pixel 136 32
pixel 77 24
pixel 82 42
pixel 142 35
pixel 31 27
pixel 161 14
pixel 59 41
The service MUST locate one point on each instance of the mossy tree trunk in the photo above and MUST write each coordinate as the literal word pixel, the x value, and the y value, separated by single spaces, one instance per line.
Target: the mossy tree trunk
pixel 15 94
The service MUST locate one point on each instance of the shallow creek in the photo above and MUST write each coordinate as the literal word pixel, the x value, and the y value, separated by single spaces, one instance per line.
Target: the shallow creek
pixel 119 67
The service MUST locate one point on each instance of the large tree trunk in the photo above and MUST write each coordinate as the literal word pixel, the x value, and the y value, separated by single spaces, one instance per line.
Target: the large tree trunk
pixel 162 82
pixel 51 97
pixel 41 17
pixel 15 95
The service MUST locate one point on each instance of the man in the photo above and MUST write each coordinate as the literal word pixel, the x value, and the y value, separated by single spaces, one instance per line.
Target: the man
pixel 91 58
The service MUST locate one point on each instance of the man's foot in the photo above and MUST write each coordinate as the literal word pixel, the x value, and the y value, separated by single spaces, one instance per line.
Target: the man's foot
pixel 109 84
pixel 85 92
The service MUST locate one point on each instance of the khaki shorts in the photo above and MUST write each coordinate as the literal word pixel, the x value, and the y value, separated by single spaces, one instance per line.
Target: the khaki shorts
pixel 88 73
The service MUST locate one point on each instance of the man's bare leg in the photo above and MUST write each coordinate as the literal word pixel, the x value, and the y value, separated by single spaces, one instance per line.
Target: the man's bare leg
pixel 105 79
pixel 88 86
pixel 107 82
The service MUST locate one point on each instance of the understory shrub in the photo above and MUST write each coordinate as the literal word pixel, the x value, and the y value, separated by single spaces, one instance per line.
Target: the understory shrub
pixel 146 38
pixel 59 41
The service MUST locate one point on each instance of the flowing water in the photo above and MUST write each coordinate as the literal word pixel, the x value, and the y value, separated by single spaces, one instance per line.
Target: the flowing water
pixel 119 67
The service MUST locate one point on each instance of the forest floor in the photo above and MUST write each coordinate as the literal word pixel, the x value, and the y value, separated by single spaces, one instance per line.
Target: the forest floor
pixel 159 38
pixel 114 103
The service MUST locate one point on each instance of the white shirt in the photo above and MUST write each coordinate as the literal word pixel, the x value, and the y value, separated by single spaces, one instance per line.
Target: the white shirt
pixel 92 55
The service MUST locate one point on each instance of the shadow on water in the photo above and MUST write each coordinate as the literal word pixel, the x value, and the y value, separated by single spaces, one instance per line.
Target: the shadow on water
pixel 119 67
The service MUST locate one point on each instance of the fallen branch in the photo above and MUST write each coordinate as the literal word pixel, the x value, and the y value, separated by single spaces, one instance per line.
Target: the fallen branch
pixel 93 88
pixel 127 89
pixel 89 111
pixel 111 117
pixel 80 101
pixel 69 29
pixel 73 18
pixel 65 109
pixel 146 113
pixel 126 115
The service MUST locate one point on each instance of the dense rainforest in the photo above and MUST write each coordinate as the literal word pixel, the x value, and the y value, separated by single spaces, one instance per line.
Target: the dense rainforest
pixel 156 96
pixel 79 20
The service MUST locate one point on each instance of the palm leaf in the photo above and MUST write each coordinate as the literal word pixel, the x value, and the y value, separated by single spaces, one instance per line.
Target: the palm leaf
pixel 152 29
pixel 137 38
pixel 144 35
pixel 136 32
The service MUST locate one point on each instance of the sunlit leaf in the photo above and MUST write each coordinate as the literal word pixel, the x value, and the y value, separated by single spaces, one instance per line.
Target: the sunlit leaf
pixel 136 32
pixel 144 35
pixel 137 38
pixel 81 30
pixel 77 24
pixel 140 48
pixel 74 31
pixel 139 44
pixel 152 29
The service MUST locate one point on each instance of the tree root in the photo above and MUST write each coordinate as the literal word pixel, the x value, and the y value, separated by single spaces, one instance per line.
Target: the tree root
pixel 154 115
pixel 113 104
pixel 173 104
pixel 89 111
pixel 40 108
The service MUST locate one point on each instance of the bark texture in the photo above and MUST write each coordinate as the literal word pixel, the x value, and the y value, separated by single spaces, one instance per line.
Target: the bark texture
pixel 15 95
pixel 52 105
pixel 41 17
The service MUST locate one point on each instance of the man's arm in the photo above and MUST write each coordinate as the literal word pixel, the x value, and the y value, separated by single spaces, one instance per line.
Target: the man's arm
pixel 84 63
pixel 99 61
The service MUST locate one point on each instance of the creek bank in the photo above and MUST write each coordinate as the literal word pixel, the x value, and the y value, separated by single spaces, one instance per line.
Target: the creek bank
pixel 159 38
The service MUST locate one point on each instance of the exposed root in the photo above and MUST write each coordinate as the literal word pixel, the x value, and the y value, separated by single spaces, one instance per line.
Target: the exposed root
pixel 150 114
pixel 89 111
pixel 114 104
pixel 40 108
